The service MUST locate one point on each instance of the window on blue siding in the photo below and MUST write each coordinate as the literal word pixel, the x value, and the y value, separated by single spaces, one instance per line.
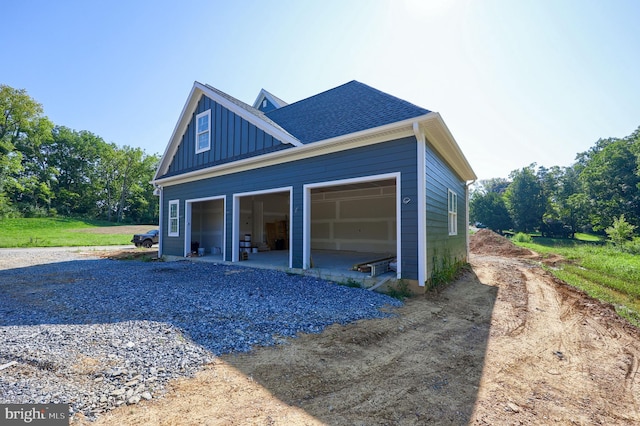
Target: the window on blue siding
pixel 203 131
pixel 453 212
pixel 174 218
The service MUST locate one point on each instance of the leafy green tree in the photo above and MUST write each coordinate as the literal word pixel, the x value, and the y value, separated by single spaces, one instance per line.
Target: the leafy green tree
pixel 525 200
pixel 497 185
pixel 22 124
pixel 611 183
pixel 124 175
pixel 490 210
pixel 75 155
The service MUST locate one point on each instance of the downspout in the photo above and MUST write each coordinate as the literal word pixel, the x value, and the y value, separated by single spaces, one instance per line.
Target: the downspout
pixel 466 190
pixel 421 204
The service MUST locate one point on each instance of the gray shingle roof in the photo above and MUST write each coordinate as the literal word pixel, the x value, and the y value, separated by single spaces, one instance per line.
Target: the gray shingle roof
pixel 345 109
pixel 247 107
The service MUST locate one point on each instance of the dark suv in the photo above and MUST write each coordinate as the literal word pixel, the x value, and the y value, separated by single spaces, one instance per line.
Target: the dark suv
pixel 146 240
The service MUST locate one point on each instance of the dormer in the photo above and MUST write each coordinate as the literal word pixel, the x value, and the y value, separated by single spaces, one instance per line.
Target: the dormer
pixel 266 102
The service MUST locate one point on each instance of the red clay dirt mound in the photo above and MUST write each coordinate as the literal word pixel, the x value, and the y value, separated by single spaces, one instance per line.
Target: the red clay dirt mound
pixel 489 243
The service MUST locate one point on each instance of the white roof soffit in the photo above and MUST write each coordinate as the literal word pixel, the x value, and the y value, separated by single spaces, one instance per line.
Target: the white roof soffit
pixel 438 134
pixel 190 105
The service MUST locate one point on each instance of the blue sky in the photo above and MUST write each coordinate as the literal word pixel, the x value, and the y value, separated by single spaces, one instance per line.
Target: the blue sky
pixel 516 81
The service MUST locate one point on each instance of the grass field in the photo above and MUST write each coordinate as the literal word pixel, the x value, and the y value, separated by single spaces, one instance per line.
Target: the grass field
pixel 600 270
pixel 64 232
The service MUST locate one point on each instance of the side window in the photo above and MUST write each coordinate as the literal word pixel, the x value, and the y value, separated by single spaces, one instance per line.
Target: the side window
pixel 174 220
pixel 453 212
pixel 203 131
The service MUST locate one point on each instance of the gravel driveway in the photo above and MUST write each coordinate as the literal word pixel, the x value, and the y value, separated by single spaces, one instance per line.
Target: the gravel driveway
pixel 98 333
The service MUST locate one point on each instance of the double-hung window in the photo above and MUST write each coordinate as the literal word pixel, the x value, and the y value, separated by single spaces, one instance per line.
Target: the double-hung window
pixel 453 212
pixel 174 218
pixel 203 131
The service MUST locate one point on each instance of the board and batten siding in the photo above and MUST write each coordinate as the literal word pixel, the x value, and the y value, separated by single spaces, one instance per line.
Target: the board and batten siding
pixel 386 157
pixel 439 178
pixel 232 138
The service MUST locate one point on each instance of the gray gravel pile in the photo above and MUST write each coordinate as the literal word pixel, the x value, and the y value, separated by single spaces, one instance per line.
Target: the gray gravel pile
pixel 102 333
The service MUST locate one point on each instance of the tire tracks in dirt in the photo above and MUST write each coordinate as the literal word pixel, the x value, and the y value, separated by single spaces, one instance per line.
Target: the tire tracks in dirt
pixel 569 361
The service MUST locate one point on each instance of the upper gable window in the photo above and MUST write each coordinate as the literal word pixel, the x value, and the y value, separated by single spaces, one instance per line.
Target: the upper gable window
pixel 203 131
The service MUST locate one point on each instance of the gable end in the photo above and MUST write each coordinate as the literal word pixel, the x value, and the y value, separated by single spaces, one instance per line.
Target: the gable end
pixel 231 138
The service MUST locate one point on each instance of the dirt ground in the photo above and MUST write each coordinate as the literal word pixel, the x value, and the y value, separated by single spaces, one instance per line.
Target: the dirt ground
pixel 507 343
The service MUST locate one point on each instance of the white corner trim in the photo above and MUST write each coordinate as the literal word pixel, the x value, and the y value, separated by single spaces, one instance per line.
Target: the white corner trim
pixel 161 224
pixel 421 151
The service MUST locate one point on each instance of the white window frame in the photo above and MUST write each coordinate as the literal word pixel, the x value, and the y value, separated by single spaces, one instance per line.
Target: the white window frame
pixel 452 207
pixel 175 219
pixel 199 149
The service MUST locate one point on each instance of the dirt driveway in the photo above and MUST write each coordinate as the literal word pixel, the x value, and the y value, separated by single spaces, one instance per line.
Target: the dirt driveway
pixel 505 344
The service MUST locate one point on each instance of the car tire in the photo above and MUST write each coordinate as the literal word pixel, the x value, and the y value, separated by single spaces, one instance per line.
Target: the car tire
pixel 147 243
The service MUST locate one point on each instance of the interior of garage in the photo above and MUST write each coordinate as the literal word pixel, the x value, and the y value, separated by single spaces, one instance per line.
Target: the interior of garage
pixel 353 224
pixel 264 227
pixel 350 224
pixel 207 226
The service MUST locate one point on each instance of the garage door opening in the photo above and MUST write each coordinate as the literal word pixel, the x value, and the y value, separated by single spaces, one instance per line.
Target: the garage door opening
pixel 205 228
pixel 262 227
pixel 353 223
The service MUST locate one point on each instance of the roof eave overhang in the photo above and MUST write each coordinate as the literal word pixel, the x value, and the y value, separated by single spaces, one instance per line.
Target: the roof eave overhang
pixel 438 134
pixel 431 124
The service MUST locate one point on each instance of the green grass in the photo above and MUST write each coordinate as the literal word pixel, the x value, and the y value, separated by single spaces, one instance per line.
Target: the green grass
pixel 600 270
pixel 56 232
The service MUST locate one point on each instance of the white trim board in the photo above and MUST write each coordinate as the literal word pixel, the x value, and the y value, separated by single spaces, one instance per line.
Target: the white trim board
pixel 421 153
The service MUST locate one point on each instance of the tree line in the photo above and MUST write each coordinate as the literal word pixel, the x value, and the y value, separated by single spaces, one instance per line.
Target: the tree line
pixel 599 191
pixel 50 170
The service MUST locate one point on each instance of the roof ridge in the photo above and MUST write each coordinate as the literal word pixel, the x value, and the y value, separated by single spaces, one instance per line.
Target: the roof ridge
pixel 350 107
pixel 321 93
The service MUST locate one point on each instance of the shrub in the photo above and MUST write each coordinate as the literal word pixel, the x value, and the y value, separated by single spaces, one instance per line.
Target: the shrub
pixel 399 291
pixel 521 237
pixel 633 246
pixel 620 232
pixel 444 270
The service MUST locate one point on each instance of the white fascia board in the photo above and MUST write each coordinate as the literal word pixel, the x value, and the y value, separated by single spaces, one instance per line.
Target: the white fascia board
pixel 440 137
pixel 264 94
pixel 277 133
pixel 171 148
pixel 197 90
